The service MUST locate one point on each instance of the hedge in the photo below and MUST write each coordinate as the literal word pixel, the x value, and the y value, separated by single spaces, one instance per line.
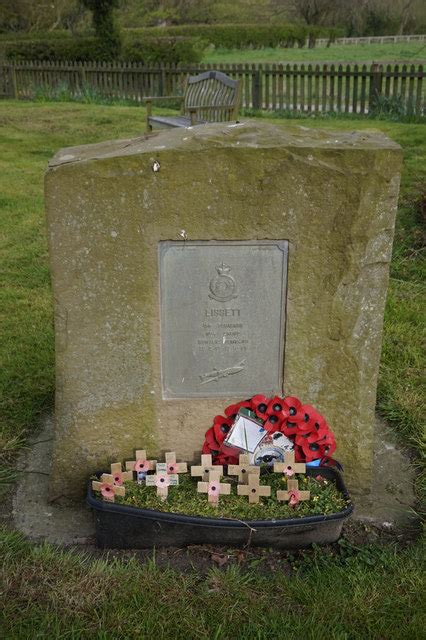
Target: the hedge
pixel 153 49
pixel 241 36
pixel 231 36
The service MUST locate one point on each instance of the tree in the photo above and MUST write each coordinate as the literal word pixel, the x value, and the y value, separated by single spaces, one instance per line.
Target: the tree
pixel 105 26
pixel 316 12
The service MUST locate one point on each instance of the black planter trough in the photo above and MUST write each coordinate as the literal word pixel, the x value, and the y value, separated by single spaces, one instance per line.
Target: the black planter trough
pixel 123 527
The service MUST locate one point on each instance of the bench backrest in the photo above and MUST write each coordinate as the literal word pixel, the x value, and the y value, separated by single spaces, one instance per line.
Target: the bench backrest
pixel 213 90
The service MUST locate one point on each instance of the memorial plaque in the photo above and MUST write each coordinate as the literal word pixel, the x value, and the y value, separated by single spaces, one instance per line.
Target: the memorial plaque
pixel 222 317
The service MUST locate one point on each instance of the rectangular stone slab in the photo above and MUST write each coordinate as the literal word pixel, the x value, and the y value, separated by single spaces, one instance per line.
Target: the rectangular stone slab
pixel 222 316
pixel 331 195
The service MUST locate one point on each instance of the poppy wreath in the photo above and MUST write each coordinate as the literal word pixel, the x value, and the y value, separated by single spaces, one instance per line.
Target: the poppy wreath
pixel 301 423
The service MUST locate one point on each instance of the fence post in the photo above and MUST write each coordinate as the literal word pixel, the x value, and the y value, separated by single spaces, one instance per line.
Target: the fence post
pixel 376 73
pixel 13 82
pixel 82 76
pixel 257 89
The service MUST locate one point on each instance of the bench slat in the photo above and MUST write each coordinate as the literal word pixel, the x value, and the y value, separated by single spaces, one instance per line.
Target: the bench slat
pixel 212 95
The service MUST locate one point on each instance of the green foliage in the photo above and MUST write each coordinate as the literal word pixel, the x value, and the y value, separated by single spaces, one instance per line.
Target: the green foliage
pixel 236 36
pixel 325 499
pixel 105 26
pixel 56 49
pixel 340 593
pixel 166 49
pixel 395 107
pixel 379 23
pixel 172 49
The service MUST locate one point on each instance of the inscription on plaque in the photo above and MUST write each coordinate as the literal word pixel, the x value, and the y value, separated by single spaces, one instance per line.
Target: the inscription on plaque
pixel 222 317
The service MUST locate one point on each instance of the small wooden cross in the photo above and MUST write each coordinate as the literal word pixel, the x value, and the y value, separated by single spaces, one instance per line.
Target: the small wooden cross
pixel 107 487
pixel 292 494
pixel 214 488
pixel 243 469
pixel 289 467
pixel 141 465
pixel 119 475
pixel 173 466
pixel 253 489
pixel 205 467
pixel 162 480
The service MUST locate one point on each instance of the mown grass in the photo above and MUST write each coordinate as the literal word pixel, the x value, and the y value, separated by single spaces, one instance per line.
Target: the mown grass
pixel 53 594
pixel 370 592
pixel 29 136
pixel 408 53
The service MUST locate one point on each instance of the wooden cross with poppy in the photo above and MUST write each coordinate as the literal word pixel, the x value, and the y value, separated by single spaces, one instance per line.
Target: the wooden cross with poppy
pixel 162 480
pixel 289 467
pixel 292 494
pixel 173 466
pixel 107 487
pixel 205 467
pixel 120 476
pixel 141 465
pixel 243 469
pixel 214 488
pixel 253 489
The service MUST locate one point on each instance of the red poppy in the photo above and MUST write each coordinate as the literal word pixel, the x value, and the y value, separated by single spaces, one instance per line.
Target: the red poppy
pixel 294 408
pixel 211 441
pixel 162 480
pixel 142 466
pixel 276 407
pixel 299 456
pixel 260 405
pixel 311 450
pixel 225 459
pixel 233 409
pixel 289 428
pixel 221 427
pixel 118 478
pixel 273 423
pixel 320 431
pixel 327 444
pixel 107 491
pixel 294 497
pixel 313 421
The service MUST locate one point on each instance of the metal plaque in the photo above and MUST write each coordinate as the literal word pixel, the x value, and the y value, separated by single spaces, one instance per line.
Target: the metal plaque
pixel 222 317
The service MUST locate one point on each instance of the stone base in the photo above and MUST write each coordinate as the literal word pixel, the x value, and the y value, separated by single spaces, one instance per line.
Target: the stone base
pixel 390 505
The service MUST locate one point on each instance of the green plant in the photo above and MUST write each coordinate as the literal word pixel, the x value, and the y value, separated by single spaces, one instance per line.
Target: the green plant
pixel 105 26
pixel 233 36
pixel 171 49
pixel 325 499
pixel 394 106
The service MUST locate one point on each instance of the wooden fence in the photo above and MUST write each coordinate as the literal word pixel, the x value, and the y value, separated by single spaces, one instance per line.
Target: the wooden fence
pixel 305 88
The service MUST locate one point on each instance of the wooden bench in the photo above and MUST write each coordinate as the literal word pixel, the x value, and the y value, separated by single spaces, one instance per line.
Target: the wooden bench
pixel 208 97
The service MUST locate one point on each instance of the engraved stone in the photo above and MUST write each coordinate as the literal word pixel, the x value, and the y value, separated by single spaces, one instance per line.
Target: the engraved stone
pixel 331 195
pixel 222 317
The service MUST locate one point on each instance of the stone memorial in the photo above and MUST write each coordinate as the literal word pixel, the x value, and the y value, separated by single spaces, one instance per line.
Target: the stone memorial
pixel 194 267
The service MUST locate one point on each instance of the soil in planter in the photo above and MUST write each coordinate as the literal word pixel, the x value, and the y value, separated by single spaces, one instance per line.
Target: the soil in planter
pixel 325 499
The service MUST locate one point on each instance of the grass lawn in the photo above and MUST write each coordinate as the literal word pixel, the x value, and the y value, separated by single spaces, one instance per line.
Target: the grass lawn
pixel 405 52
pixel 370 592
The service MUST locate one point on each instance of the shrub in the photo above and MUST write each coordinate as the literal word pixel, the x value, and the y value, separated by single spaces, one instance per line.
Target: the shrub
pixel 66 49
pixel 233 36
pixel 168 49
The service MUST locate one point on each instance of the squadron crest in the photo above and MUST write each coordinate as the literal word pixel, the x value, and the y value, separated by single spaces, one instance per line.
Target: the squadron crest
pixel 222 286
